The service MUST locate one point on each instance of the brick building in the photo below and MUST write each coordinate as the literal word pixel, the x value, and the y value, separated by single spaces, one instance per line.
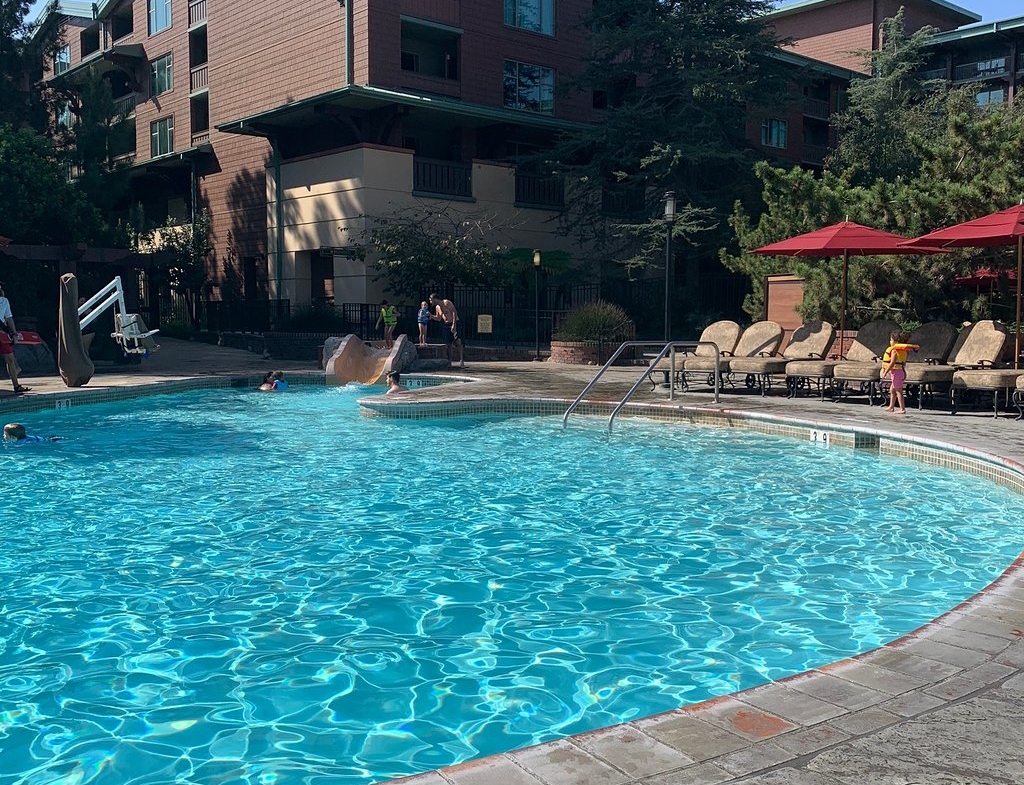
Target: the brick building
pixel 296 122
pixel 293 121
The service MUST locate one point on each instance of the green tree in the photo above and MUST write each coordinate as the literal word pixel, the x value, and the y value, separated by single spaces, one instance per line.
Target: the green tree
pixel 430 246
pixel 187 249
pixel 37 203
pixel 20 55
pixel 890 111
pixel 678 78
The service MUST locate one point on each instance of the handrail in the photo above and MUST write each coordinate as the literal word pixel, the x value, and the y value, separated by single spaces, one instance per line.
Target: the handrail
pixel 668 348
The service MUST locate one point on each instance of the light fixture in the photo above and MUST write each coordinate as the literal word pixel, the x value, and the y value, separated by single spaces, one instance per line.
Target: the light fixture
pixel 536 257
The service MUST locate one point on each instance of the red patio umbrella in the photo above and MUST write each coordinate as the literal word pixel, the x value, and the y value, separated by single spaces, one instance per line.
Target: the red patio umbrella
pixel 844 239
pixel 1005 227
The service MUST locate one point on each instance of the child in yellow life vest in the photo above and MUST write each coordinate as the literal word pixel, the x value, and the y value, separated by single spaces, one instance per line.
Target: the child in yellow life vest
pixel 894 362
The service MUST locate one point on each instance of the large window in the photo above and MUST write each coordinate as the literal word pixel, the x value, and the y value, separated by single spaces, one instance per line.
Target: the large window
pixel 536 15
pixel 161 137
pixel 159 15
pixel 992 96
pixel 161 75
pixel 62 60
pixel 529 87
pixel 775 133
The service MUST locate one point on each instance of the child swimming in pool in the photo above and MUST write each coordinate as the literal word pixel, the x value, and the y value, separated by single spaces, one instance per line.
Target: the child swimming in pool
pixel 894 362
pixel 15 432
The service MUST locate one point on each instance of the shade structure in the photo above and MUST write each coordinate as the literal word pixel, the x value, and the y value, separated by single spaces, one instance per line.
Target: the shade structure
pixel 984 276
pixel 1002 228
pixel 844 239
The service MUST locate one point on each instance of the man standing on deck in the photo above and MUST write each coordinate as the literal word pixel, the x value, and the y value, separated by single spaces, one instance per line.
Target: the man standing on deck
pixel 444 311
pixel 8 336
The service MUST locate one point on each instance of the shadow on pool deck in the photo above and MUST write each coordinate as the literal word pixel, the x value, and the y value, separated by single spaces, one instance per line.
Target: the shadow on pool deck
pixel 945 704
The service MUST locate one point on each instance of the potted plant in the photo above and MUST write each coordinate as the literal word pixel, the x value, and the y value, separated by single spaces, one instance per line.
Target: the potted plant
pixel 590 333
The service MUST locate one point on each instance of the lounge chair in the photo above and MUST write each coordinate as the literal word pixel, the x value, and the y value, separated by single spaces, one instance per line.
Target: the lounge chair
pixel 761 340
pixel 977 364
pixel 724 334
pixel 936 340
pixel 867 347
pixel 977 351
pixel 810 341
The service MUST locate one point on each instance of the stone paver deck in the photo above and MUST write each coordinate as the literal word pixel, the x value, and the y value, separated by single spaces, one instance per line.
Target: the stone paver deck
pixel 942 705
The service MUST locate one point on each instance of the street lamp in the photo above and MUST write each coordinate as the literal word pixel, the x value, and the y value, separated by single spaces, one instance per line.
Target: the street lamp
pixel 536 291
pixel 670 219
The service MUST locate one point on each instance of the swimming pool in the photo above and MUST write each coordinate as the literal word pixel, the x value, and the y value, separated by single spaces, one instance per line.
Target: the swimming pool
pixel 224 585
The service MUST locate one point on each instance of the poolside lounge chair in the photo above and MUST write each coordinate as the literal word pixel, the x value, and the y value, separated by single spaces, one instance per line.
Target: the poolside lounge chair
pixel 724 334
pixel 977 365
pixel 936 340
pixel 810 341
pixel 867 347
pixel 760 340
pixel 977 352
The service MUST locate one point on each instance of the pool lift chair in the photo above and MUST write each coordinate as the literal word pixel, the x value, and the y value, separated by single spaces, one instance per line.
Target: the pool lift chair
pixel 130 331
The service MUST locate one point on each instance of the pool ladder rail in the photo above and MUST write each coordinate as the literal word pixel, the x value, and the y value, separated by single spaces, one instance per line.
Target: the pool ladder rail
pixel 670 349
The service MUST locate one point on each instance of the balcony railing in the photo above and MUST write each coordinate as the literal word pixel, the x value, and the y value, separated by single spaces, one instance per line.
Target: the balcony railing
pixel 996 66
pixel 442 177
pixel 124 106
pixel 199 78
pixel 816 107
pixel 200 137
pixel 196 12
pixel 1020 62
pixel 537 190
pixel 932 74
pixel 814 154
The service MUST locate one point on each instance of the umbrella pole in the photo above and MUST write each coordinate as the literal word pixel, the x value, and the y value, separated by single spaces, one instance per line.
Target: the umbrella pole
pixel 842 312
pixel 1016 342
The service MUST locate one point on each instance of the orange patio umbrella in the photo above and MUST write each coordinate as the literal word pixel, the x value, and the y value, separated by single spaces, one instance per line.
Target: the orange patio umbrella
pixel 1003 228
pixel 844 239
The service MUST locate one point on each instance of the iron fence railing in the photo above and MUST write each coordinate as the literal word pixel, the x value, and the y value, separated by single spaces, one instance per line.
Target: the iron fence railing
pixel 442 177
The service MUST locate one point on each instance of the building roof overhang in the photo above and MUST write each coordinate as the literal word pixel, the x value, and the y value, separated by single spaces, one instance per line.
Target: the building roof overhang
pixel 818 66
pixel 967 32
pixel 295 115
pixel 178 159
pixel 124 56
pixel 807 5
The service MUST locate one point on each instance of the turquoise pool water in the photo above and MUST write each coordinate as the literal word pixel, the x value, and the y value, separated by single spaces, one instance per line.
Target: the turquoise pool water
pixel 229 586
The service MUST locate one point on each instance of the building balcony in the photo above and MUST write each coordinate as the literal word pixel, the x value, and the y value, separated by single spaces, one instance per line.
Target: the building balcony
pixel 196 12
pixel 539 191
pixel 984 69
pixel 450 178
pixel 813 154
pixel 199 78
pixel 1020 63
pixel 201 137
pixel 932 74
pixel 817 107
pixel 124 106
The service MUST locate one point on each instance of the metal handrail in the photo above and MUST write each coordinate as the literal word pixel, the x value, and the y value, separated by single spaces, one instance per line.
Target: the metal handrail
pixel 670 349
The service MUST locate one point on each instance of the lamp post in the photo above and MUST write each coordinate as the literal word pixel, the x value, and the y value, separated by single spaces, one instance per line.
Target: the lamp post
pixel 670 219
pixel 536 302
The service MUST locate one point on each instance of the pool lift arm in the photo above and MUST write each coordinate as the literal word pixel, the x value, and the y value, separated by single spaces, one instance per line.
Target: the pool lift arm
pixel 129 330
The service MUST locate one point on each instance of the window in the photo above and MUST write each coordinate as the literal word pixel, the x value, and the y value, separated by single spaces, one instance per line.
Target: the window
pixel 62 60
pixel 63 116
pixel 161 75
pixel 159 15
pixel 529 87
pixel 430 50
pixel 774 133
pixel 161 137
pixel 993 97
pixel 535 15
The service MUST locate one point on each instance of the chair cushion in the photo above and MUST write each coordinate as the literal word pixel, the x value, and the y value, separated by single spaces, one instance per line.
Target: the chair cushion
pixel 871 341
pixel 981 342
pixel 987 379
pixel 810 339
pixel 935 340
pixel 858 372
pixel 724 334
pixel 820 369
pixel 923 373
pixel 757 364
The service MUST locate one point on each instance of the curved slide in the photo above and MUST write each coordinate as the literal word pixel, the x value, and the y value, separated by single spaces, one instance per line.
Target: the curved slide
pixel 354 361
pixel 73 361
